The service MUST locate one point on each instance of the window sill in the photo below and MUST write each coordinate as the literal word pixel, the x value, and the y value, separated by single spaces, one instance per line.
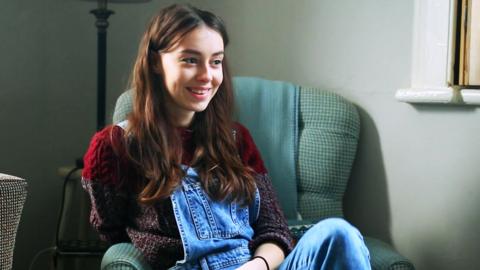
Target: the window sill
pixel 447 95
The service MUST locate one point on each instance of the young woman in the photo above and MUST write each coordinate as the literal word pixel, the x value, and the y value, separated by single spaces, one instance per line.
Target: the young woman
pixel 182 182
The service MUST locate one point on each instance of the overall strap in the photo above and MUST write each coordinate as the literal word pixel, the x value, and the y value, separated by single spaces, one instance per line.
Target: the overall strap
pixel 254 208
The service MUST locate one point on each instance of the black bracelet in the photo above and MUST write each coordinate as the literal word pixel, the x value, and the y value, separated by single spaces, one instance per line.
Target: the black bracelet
pixel 260 257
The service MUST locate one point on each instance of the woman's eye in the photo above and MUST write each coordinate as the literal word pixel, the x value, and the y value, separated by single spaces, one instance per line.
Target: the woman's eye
pixel 189 60
pixel 217 62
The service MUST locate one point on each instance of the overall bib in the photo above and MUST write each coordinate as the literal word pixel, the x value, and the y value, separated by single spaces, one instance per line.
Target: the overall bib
pixel 215 234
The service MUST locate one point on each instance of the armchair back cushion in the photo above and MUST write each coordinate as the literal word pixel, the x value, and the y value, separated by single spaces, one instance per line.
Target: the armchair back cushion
pixel 329 131
pixel 307 138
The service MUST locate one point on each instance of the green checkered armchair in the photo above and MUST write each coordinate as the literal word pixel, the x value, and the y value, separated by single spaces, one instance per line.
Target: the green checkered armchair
pixel 308 140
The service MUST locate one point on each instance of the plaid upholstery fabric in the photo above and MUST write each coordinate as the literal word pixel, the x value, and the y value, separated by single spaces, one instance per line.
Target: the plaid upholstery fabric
pixel 123 256
pixel 123 107
pixel 329 131
pixel 13 192
pixel 401 266
pixel 383 257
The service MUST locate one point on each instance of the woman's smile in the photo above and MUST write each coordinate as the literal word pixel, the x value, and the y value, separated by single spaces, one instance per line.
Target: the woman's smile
pixel 199 90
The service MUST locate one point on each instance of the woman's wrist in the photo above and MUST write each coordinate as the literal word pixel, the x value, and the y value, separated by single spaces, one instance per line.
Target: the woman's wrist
pixel 261 259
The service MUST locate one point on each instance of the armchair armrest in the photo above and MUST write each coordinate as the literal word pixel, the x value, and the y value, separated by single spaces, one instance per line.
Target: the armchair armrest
pixel 384 257
pixel 124 256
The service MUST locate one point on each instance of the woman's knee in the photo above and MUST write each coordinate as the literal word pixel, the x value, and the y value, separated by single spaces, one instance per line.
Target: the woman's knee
pixel 334 229
pixel 338 226
pixel 332 242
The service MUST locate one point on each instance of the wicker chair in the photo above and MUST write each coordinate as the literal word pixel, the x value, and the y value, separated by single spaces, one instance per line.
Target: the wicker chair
pixel 13 192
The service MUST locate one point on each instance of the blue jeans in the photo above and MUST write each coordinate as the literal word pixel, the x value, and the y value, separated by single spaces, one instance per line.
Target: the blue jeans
pixel 331 244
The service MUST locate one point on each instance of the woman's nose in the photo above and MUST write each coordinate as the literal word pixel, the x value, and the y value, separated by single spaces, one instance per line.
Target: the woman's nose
pixel 204 73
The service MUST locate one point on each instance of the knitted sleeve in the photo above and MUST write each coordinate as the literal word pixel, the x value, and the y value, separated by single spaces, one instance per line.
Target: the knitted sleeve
pixel 271 225
pixel 100 178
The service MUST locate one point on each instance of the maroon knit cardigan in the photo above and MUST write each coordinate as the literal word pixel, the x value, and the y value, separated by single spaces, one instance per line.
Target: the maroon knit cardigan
pixel 117 216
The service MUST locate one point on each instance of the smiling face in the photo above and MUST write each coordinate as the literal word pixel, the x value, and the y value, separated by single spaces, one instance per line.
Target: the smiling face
pixel 192 72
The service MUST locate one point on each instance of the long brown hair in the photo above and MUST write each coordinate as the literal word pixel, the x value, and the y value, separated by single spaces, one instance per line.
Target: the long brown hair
pixel 152 142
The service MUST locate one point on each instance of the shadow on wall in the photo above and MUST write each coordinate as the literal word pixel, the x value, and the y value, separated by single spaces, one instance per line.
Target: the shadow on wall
pixel 366 200
pixel 443 249
pixel 454 244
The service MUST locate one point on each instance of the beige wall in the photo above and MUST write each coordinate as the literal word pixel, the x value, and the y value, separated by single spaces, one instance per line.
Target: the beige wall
pixel 415 179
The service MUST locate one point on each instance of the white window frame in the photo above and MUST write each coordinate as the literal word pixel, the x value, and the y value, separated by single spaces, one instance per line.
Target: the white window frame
pixel 432 57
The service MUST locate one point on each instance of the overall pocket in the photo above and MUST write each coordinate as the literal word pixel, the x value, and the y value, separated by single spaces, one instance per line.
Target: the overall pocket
pixel 239 214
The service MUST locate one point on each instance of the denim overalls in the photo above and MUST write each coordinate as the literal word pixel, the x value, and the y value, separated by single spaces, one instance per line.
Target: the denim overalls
pixel 215 235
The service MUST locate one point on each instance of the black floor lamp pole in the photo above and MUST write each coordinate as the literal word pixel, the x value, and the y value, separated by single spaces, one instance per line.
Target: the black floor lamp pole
pixel 102 14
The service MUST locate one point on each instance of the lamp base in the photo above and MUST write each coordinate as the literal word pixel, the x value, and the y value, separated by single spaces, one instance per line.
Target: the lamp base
pixel 102 15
